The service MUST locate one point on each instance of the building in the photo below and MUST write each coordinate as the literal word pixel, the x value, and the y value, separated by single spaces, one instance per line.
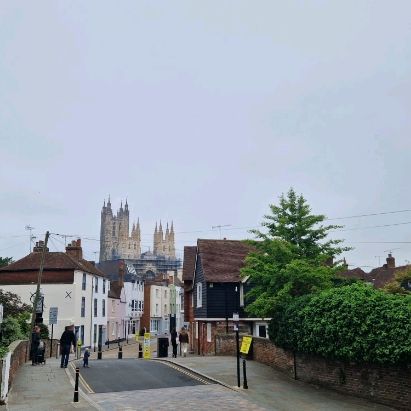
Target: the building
pixel 116 241
pixel 214 292
pixel 176 302
pixel 117 320
pixel 75 286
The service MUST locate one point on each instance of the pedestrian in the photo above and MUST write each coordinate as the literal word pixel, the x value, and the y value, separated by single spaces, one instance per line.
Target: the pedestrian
pixel 86 357
pixel 183 338
pixel 66 341
pixel 35 343
pixel 174 342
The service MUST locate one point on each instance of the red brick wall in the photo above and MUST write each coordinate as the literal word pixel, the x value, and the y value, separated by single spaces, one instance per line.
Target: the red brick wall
pixel 386 385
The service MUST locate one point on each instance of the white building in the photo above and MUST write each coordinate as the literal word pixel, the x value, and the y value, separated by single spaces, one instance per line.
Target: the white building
pixel 70 283
pixel 134 294
pixel 159 309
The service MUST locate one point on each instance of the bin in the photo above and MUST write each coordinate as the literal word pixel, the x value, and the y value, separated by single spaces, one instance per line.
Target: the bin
pixel 162 347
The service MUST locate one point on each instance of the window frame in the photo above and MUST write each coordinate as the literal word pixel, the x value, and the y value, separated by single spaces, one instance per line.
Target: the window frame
pixel 199 295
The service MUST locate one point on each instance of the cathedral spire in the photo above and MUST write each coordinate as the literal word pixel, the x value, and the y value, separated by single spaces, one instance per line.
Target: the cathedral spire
pixel 108 202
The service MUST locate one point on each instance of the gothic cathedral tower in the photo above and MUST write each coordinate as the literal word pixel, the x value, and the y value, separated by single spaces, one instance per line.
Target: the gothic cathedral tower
pixel 163 244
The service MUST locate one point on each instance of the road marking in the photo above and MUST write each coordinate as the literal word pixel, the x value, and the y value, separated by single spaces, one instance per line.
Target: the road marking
pixel 188 373
pixel 82 380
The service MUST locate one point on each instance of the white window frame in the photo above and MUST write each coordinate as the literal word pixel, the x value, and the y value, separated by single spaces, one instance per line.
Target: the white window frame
pixel 241 295
pixel 199 295
pixel 208 332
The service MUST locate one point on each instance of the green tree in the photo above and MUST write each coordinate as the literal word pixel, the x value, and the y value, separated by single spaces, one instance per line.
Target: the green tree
pixel 290 259
pixel 5 261
pixel 11 331
pixel 12 304
pixel 399 285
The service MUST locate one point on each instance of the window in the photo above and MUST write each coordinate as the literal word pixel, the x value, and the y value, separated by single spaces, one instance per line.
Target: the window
pixel 157 293
pixel 241 295
pixel 208 332
pixel 104 286
pixel 83 284
pixel 95 307
pixel 199 295
pixel 133 305
pixel 83 306
pixel 165 293
pixel 103 308
pixel 95 333
pixel 156 309
pixel 113 306
pixel 261 330
pixel 96 284
pixel 154 325
pixel 165 309
pixel 82 334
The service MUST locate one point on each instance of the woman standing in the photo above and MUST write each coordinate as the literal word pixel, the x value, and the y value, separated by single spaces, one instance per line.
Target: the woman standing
pixel 183 338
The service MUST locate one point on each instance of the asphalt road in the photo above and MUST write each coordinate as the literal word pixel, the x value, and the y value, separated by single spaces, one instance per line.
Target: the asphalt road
pixel 112 375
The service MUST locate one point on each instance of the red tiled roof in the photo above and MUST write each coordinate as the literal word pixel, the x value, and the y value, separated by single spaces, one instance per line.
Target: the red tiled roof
pixel 222 259
pixel 53 261
pixel 189 262
pixel 383 275
pixel 115 290
pixel 354 273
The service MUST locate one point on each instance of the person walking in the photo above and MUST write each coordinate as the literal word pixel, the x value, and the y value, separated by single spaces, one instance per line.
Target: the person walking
pixel 174 342
pixel 86 357
pixel 35 343
pixel 183 338
pixel 67 339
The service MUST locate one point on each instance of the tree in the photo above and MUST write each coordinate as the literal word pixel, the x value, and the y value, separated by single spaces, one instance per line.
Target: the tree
pixel 400 283
pixel 293 222
pixel 12 304
pixel 5 261
pixel 290 259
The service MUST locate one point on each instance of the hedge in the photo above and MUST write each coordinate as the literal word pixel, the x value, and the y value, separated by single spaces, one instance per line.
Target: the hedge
pixel 351 323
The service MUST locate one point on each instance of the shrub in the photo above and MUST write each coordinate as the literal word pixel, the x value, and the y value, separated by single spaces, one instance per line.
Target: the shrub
pixel 11 331
pixel 351 323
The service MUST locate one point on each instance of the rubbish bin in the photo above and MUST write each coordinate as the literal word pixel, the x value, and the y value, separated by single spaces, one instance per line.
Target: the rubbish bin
pixel 162 347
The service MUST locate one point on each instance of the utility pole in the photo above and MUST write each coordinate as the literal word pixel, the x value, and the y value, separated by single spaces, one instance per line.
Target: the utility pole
pixel 40 274
pixel 220 227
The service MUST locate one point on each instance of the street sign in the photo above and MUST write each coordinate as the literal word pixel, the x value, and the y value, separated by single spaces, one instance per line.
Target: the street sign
pixel 1 313
pixel 53 313
pixel 236 317
pixel 147 346
pixel 40 302
pixel 245 345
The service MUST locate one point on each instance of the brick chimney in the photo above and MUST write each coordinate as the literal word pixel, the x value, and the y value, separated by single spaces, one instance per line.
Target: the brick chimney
pixel 39 247
pixel 390 261
pixel 121 274
pixel 74 250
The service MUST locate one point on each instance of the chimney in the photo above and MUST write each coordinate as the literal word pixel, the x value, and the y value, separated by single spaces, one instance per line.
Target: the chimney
pixel 39 247
pixel 74 250
pixel 390 261
pixel 121 274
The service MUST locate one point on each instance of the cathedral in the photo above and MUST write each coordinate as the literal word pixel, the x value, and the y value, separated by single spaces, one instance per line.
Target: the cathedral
pixel 116 241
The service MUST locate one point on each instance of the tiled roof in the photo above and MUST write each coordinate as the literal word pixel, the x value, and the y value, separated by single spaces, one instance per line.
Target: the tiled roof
pixel 222 259
pixel 189 262
pixel 354 273
pixel 383 275
pixel 53 261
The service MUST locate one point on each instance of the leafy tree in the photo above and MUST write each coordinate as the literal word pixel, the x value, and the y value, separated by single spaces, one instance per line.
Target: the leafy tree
pixel 44 331
pixel 5 261
pixel 399 285
pixel 352 323
pixel 11 331
pixel 12 304
pixel 290 259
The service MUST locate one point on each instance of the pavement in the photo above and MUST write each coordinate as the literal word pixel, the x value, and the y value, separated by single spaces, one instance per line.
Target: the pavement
pixel 167 384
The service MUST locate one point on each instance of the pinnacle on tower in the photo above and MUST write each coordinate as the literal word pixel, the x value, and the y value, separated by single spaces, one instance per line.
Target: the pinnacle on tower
pixel 108 202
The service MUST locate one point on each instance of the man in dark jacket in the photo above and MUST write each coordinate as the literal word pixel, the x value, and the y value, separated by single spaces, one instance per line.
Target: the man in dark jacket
pixel 67 339
pixel 174 342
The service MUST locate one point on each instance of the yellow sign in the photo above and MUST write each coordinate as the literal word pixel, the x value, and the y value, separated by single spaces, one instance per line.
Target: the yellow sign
pixel 147 346
pixel 245 345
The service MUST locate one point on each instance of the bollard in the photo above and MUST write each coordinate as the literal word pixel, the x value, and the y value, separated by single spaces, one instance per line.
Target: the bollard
pixel 120 352
pixel 76 385
pixel 140 350
pixel 99 353
pixel 57 350
pixel 245 385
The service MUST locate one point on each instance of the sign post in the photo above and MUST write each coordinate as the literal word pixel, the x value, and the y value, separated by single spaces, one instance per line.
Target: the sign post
pixel 53 313
pixel 245 348
pixel 236 319
pixel 147 346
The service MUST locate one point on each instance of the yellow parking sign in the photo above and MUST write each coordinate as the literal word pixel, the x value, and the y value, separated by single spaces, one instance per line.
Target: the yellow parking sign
pixel 245 345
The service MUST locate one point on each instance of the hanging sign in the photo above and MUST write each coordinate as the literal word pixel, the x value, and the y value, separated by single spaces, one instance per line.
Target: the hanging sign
pixel 245 345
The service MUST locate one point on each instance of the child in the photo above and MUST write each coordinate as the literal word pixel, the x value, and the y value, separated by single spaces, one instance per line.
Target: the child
pixel 85 357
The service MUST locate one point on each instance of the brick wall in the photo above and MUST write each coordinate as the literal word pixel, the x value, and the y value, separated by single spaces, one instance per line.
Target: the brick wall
pixel 386 385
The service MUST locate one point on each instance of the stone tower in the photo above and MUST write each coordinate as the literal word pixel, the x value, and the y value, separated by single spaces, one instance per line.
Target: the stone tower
pixel 163 244
pixel 115 241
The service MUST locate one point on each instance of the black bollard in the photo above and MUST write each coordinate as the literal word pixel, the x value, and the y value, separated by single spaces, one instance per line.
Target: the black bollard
pixel 99 353
pixel 245 385
pixel 120 352
pixel 76 385
pixel 140 350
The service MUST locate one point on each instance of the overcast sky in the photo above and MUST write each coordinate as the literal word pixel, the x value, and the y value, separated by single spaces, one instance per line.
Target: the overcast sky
pixel 204 112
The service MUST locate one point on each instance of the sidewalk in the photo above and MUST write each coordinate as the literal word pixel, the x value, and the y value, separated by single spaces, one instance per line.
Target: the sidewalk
pixel 44 388
pixel 272 389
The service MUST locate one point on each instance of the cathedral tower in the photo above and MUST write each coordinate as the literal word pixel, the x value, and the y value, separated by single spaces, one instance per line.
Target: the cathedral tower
pixel 163 243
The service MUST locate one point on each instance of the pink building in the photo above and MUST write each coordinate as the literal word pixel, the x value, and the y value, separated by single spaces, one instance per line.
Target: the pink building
pixel 116 312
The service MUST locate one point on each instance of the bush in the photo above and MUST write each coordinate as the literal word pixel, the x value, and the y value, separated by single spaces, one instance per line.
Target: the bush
pixel 44 331
pixel 11 331
pixel 351 323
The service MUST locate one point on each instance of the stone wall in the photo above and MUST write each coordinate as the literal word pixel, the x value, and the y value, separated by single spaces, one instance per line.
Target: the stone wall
pixel 386 385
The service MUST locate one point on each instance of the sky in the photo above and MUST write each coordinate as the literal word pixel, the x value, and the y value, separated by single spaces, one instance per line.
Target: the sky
pixel 204 113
